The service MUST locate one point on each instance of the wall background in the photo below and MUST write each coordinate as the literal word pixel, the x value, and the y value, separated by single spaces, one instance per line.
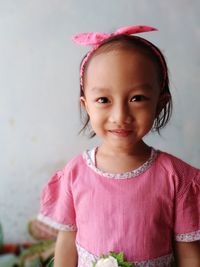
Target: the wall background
pixel 39 87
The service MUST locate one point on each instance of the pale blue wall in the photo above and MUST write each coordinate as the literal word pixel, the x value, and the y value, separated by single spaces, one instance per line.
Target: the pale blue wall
pixel 39 117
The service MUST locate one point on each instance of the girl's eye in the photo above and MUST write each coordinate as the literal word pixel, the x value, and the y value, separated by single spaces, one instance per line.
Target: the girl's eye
pixel 102 100
pixel 138 98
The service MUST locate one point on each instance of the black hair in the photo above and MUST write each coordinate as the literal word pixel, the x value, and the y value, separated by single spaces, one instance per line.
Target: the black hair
pixel 151 51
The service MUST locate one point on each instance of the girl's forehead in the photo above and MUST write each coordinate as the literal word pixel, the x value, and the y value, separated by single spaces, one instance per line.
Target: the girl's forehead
pixel 120 58
pixel 123 62
pixel 120 68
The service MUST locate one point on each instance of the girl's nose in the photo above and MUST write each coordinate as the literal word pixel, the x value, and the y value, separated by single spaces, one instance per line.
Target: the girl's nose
pixel 120 114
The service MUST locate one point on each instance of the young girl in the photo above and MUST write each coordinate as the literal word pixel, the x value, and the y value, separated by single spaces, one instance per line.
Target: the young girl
pixel 124 196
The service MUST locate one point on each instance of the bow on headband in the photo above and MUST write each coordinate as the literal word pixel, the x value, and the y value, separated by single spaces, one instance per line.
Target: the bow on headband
pixel 96 38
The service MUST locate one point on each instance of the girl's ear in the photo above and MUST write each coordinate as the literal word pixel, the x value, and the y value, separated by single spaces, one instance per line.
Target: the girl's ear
pixel 162 102
pixel 83 103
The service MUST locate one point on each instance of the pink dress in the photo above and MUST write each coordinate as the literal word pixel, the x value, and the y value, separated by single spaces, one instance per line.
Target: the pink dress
pixel 140 212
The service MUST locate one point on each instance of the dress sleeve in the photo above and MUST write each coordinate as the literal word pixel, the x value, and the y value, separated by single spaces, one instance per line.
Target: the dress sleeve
pixel 56 204
pixel 187 211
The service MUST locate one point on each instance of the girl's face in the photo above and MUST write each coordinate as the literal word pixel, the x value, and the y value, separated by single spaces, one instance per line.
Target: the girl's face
pixel 121 96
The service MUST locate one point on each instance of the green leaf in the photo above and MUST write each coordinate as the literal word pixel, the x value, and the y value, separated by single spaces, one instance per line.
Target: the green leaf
pixel 50 263
pixel 126 264
pixel 120 259
pixel 118 256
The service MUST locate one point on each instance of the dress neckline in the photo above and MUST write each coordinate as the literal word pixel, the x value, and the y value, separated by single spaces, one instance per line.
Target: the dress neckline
pixel 90 158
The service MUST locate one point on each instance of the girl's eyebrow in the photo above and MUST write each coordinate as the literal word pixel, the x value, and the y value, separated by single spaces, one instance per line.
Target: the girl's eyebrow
pixel 99 89
pixel 145 86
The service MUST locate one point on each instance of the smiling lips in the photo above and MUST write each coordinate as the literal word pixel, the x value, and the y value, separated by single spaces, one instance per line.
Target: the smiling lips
pixel 121 132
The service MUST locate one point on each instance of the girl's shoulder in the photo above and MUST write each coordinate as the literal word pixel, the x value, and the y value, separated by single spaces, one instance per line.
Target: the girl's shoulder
pixel 75 162
pixel 174 164
pixel 79 162
pixel 183 174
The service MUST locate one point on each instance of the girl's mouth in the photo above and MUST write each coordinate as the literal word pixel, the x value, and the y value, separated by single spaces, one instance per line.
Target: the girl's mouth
pixel 121 132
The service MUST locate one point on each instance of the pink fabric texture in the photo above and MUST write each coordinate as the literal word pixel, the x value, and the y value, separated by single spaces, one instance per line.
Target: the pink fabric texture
pixel 96 38
pixel 140 215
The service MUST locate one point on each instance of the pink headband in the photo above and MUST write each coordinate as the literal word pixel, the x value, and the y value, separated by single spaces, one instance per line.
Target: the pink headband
pixel 97 38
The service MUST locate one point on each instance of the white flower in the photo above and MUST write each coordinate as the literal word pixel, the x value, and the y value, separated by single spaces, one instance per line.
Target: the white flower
pixel 108 262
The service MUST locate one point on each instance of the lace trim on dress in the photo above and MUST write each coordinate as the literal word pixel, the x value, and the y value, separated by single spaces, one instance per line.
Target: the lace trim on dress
pixel 85 259
pixel 58 226
pixel 90 162
pixel 188 237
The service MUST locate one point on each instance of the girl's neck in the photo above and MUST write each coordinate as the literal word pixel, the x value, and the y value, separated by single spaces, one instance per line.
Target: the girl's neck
pixel 140 149
pixel 117 160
